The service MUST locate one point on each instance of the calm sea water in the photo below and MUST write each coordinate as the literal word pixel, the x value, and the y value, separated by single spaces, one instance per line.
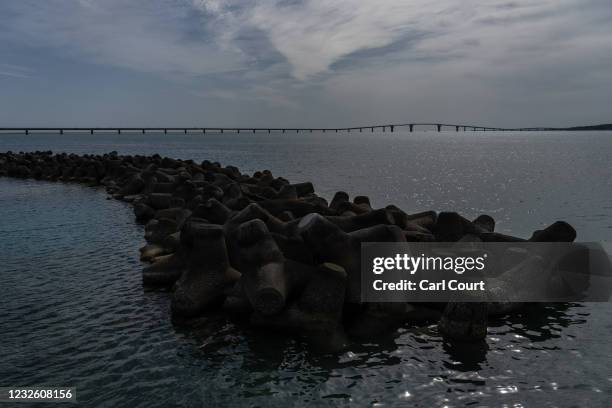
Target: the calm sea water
pixel 73 310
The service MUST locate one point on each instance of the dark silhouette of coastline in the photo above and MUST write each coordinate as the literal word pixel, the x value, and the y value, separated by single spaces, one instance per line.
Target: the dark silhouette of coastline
pixel 607 126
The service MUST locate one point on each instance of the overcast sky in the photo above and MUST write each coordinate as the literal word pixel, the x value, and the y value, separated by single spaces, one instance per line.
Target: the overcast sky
pixel 304 62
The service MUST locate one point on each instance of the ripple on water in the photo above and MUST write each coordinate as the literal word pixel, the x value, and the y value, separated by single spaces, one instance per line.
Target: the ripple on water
pixel 74 312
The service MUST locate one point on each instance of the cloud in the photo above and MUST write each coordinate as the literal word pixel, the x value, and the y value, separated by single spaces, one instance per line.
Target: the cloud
pixel 311 37
pixel 15 71
pixel 256 94
pixel 318 37
pixel 159 36
pixel 332 61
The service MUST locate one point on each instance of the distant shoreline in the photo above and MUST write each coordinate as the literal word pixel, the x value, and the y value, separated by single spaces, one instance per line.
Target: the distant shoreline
pixel 607 126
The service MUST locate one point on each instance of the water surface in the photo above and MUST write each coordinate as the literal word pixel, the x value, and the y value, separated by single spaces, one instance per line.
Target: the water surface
pixel 74 311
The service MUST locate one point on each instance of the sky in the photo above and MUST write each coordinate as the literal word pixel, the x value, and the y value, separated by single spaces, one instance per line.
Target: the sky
pixel 305 63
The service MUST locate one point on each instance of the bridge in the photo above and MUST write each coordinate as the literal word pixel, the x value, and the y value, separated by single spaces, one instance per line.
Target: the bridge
pixel 384 128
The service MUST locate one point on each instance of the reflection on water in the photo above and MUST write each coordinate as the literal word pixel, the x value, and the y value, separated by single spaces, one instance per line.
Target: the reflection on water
pixel 74 312
pixel 524 359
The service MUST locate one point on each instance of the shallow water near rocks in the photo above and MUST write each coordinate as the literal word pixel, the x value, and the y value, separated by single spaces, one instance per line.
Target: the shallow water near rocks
pixel 74 311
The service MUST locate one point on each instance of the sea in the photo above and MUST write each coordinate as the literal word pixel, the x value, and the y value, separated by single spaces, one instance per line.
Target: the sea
pixel 74 312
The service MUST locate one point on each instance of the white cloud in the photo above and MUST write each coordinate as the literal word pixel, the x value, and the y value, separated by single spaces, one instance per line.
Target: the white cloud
pixel 193 37
pixel 314 34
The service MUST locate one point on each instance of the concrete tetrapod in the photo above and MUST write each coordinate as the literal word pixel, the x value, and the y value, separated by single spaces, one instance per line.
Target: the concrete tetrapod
pixel 465 321
pixel 267 282
pixel 208 273
pixel 330 244
pixel 317 313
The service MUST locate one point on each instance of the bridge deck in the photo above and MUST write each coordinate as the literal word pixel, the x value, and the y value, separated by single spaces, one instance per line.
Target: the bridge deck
pixel 384 128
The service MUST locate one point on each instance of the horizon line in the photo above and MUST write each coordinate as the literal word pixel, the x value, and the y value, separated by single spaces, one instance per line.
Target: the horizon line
pixel 391 126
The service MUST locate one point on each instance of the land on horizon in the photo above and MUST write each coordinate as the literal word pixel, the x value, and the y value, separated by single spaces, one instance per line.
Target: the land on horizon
pixel 607 126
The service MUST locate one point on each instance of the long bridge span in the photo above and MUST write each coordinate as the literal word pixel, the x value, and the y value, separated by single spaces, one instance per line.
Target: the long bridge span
pixel 384 128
